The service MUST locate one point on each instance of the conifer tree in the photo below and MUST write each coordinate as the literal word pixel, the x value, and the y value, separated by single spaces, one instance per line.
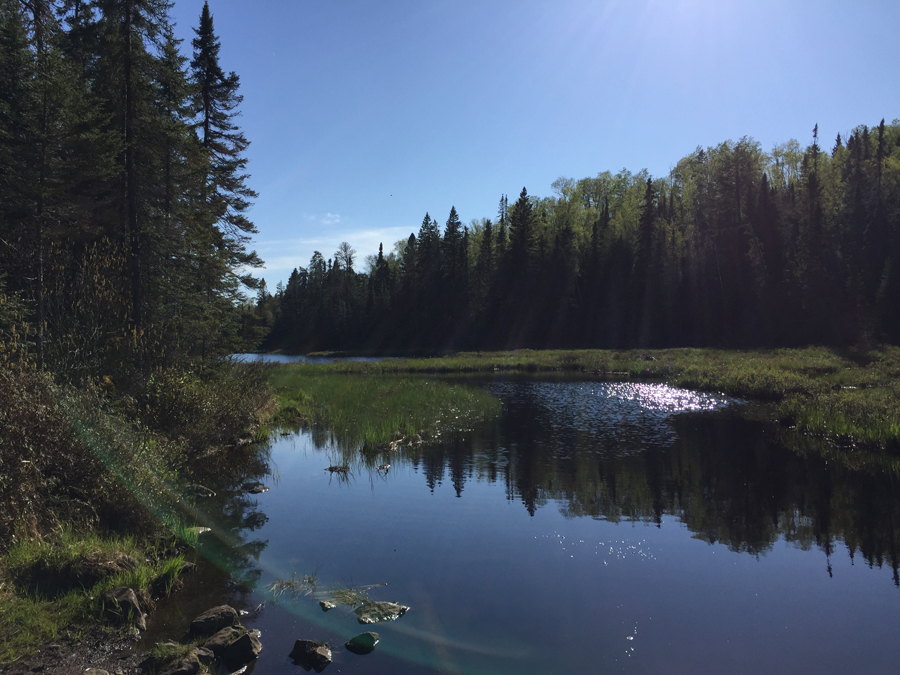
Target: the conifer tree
pixel 226 192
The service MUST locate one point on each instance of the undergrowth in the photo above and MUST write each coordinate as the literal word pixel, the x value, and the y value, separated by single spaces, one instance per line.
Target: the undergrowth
pixel 97 461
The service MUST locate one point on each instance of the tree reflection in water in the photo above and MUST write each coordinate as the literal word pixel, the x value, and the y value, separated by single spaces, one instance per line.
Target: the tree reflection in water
pixel 732 480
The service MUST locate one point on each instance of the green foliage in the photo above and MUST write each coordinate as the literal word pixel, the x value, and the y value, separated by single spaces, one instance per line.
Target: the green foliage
pixel 734 248
pixel 208 408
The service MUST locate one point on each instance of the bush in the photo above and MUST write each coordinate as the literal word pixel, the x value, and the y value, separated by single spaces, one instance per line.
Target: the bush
pixel 210 408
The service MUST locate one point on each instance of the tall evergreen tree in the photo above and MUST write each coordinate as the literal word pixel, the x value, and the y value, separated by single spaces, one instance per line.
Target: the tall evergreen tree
pixel 226 192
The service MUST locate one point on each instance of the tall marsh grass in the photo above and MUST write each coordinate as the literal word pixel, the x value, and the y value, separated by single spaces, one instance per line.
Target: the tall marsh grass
pixel 852 395
pixel 372 411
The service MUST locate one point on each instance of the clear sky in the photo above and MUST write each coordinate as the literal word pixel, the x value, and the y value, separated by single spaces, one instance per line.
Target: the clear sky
pixel 362 116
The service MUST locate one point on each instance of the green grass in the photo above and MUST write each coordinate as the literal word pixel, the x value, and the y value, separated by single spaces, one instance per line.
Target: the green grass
pixel 369 413
pixel 41 600
pixel 849 395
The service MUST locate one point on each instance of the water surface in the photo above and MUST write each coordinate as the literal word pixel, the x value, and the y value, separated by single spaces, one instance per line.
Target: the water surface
pixel 592 528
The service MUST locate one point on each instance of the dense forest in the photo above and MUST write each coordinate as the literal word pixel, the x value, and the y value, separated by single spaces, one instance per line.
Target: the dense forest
pixel 736 247
pixel 123 192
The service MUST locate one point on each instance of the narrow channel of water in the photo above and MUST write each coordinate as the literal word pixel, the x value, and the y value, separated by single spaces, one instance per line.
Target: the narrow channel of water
pixel 593 527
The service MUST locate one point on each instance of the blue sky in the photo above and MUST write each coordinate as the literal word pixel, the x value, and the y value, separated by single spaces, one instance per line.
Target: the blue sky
pixel 362 116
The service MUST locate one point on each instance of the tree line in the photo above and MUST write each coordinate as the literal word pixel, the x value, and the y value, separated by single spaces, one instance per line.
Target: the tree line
pixel 736 247
pixel 123 191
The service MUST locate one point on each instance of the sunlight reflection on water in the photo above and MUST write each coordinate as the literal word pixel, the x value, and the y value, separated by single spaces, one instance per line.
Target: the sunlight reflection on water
pixel 619 417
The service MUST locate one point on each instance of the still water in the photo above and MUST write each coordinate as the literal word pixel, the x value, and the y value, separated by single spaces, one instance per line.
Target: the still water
pixel 592 528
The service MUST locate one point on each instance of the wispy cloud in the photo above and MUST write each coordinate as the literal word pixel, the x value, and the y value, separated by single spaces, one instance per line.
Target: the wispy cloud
pixel 281 256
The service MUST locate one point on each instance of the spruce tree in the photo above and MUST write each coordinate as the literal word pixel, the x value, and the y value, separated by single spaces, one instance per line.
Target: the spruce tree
pixel 226 192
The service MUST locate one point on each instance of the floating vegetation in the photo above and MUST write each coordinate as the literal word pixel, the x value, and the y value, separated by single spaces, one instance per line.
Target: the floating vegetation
pixel 379 612
pixel 296 586
pixel 347 596
pixel 350 597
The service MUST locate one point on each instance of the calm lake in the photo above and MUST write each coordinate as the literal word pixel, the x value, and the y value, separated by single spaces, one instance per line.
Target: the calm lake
pixel 591 528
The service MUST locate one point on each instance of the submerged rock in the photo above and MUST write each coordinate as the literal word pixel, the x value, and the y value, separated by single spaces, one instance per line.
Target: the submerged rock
pixel 379 612
pixel 364 643
pixel 213 620
pixel 311 655
pixel 326 605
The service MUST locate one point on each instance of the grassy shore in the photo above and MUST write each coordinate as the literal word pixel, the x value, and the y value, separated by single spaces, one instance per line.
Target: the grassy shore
pixel 848 395
pixel 92 474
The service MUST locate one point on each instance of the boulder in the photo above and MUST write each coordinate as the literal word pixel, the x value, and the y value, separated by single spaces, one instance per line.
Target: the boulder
pixel 378 612
pixel 187 665
pixel 241 652
pixel 311 655
pixel 213 620
pixel 364 643
pixel 326 605
pixel 206 657
pixel 220 641
pixel 121 604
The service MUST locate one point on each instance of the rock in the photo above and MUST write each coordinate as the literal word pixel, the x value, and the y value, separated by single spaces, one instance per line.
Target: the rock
pixel 205 656
pixel 364 643
pixel 241 652
pixel 326 605
pixel 121 604
pixel 311 655
pixel 378 612
pixel 213 620
pixel 220 641
pixel 96 671
pixel 188 665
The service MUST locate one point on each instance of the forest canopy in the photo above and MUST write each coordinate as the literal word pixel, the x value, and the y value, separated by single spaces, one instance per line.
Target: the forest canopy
pixel 736 247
